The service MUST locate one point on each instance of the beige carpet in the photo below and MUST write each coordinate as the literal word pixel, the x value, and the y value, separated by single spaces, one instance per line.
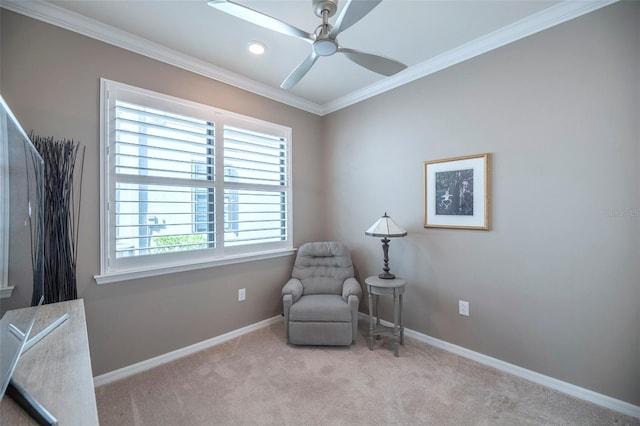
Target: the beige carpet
pixel 259 379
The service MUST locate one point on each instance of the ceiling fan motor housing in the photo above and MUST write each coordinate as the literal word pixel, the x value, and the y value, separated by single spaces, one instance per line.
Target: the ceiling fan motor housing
pixel 321 5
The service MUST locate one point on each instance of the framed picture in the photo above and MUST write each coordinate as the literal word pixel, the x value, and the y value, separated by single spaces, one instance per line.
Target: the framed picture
pixel 456 193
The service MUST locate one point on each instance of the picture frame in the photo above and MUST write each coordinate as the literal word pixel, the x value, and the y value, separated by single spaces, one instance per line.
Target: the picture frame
pixel 456 192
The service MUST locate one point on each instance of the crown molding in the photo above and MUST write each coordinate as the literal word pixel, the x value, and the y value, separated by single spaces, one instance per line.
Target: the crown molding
pixel 555 15
pixel 75 22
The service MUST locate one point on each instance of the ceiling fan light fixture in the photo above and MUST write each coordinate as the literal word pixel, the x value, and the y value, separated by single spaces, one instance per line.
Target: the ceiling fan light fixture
pixel 325 47
pixel 257 47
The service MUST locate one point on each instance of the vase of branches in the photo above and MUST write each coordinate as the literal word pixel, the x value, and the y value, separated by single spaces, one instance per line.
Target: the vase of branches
pixel 62 197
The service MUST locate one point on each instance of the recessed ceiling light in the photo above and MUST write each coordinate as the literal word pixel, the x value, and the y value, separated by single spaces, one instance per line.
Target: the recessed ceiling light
pixel 257 47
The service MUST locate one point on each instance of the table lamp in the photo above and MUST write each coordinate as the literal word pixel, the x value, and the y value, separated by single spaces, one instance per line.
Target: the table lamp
pixel 385 228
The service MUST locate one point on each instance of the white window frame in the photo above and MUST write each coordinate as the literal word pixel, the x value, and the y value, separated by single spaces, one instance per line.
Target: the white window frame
pixel 5 288
pixel 114 270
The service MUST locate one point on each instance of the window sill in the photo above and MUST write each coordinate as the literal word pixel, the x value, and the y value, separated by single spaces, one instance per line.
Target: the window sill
pixel 114 277
pixel 5 292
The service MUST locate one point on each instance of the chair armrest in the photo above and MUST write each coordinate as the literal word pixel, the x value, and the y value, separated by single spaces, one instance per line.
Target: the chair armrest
pixel 351 287
pixel 294 288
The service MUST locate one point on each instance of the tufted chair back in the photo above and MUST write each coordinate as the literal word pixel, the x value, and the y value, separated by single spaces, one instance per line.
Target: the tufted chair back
pixel 322 267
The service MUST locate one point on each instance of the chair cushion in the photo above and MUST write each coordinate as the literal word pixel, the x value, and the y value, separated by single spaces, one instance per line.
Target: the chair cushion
pixel 320 307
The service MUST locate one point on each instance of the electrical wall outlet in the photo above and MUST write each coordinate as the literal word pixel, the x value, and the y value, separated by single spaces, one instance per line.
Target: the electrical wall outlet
pixel 242 295
pixel 463 308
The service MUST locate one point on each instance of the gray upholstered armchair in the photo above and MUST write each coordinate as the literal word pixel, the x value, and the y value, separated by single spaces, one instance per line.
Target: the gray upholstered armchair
pixel 321 299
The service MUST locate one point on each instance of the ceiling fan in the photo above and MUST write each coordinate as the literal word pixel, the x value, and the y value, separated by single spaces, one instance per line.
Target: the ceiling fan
pixel 323 39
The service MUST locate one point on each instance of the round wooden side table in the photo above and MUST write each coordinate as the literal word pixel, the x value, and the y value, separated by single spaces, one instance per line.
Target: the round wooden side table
pixel 394 287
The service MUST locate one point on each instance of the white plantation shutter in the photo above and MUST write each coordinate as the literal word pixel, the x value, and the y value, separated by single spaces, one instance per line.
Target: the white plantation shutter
pixel 186 183
pixel 256 182
pixel 162 160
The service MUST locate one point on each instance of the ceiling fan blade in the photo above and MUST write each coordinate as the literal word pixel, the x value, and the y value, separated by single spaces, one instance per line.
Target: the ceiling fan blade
pixel 375 63
pixel 259 18
pixel 300 71
pixel 354 11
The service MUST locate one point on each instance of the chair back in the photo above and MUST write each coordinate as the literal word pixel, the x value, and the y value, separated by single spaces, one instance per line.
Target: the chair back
pixel 322 267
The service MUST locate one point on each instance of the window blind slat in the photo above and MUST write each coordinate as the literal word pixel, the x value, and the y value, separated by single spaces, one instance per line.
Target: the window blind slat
pixel 123 108
pixel 169 147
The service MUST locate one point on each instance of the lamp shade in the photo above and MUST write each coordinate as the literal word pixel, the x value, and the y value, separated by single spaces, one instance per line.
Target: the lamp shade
pixel 385 227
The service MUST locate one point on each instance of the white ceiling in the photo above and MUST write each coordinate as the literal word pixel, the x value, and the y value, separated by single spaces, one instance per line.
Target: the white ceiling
pixel 426 35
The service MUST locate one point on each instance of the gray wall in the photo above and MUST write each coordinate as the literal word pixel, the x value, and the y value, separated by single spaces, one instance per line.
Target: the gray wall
pixel 553 287
pixel 50 79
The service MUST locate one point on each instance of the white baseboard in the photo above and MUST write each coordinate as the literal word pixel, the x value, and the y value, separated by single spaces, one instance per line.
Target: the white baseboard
pixel 148 364
pixel 573 390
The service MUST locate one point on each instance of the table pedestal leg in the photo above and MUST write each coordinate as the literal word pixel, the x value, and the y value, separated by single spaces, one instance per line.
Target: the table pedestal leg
pixel 396 323
pixel 370 320
pixel 401 323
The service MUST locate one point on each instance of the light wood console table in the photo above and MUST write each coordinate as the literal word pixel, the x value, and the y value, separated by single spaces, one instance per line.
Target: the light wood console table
pixel 57 370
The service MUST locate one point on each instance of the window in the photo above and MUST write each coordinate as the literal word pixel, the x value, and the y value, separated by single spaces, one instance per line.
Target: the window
pixel 184 183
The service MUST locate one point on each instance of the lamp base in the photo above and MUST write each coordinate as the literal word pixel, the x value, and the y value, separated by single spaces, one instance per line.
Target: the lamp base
pixel 386 276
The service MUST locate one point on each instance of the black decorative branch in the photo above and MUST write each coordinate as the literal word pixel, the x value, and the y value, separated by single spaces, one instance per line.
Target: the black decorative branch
pixel 61 216
pixel 35 180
